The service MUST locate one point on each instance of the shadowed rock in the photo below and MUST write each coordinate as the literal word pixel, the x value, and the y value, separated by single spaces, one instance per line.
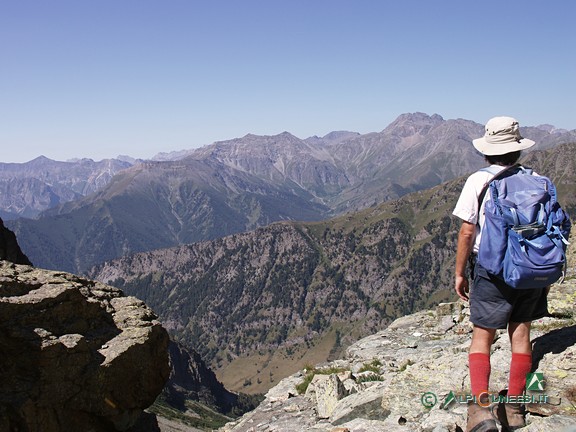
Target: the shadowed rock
pixel 9 249
pixel 76 354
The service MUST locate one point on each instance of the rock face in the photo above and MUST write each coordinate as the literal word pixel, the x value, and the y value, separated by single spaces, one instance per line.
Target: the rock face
pixel 191 380
pixel 76 354
pixel 400 379
pixel 9 249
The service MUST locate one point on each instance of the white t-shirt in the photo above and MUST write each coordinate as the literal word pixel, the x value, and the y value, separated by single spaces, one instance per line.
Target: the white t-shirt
pixel 467 205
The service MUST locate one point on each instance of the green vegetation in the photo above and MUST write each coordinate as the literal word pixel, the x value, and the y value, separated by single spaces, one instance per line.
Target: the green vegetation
pixel 369 378
pixel 311 372
pixel 373 366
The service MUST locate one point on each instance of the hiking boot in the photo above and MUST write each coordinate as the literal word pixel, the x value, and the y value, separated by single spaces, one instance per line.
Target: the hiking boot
pixel 511 415
pixel 480 419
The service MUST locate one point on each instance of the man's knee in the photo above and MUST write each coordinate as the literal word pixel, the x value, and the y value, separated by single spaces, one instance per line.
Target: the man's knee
pixel 520 337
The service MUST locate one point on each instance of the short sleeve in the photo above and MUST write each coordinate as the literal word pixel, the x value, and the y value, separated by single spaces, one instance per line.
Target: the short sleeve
pixel 467 205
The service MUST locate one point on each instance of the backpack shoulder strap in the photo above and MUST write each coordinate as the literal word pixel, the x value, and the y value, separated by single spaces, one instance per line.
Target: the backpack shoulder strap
pixel 503 173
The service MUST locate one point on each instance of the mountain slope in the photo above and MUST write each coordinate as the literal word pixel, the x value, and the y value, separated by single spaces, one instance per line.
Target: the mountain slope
pixel 155 205
pixel 292 293
pixel 559 164
pixel 283 289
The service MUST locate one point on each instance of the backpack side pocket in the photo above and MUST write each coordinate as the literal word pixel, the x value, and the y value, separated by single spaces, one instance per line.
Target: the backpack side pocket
pixel 493 243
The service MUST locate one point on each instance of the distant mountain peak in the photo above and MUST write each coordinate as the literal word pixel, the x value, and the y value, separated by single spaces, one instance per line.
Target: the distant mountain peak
pixel 551 129
pixel 340 134
pixel 41 159
pixel 418 117
pixel 414 123
pixel 284 134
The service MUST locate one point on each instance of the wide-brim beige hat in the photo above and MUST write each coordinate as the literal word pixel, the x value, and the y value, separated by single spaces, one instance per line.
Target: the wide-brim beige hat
pixel 502 136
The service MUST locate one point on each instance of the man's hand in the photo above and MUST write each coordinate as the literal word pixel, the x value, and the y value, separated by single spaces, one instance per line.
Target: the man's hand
pixel 462 288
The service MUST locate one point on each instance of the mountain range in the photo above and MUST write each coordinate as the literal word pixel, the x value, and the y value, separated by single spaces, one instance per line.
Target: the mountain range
pixel 238 185
pixel 264 303
pixel 28 189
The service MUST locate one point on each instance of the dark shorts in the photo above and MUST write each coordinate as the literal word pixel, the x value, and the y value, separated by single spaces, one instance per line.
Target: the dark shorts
pixel 493 304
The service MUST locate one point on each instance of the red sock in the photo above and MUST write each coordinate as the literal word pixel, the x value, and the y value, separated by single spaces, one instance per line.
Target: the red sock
pixel 479 365
pixel 520 365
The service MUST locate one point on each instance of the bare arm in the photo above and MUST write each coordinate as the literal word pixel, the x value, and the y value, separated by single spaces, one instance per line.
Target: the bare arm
pixel 466 238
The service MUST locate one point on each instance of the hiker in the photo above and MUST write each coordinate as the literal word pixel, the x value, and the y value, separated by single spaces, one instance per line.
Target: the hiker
pixel 494 304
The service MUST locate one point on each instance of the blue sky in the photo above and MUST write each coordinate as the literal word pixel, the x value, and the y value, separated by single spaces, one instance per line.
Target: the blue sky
pixel 100 78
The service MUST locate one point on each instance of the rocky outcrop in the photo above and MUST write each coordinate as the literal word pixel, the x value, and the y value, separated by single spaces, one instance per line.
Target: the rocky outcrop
pixel 76 354
pixel 9 249
pixel 404 377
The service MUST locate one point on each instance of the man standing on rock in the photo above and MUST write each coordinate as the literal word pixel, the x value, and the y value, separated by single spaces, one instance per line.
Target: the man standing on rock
pixel 493 304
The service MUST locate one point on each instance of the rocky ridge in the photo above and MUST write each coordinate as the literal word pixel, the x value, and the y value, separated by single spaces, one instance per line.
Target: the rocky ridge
pixel 385 379
pixel 76 354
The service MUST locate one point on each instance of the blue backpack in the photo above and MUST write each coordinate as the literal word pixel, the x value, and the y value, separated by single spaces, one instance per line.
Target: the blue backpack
pixel 525 233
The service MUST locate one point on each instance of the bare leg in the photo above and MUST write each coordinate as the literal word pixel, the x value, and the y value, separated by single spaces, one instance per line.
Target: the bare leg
pixel 482 339
pixel 520 337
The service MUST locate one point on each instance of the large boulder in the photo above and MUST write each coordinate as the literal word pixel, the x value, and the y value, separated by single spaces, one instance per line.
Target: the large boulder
pixel 76 354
